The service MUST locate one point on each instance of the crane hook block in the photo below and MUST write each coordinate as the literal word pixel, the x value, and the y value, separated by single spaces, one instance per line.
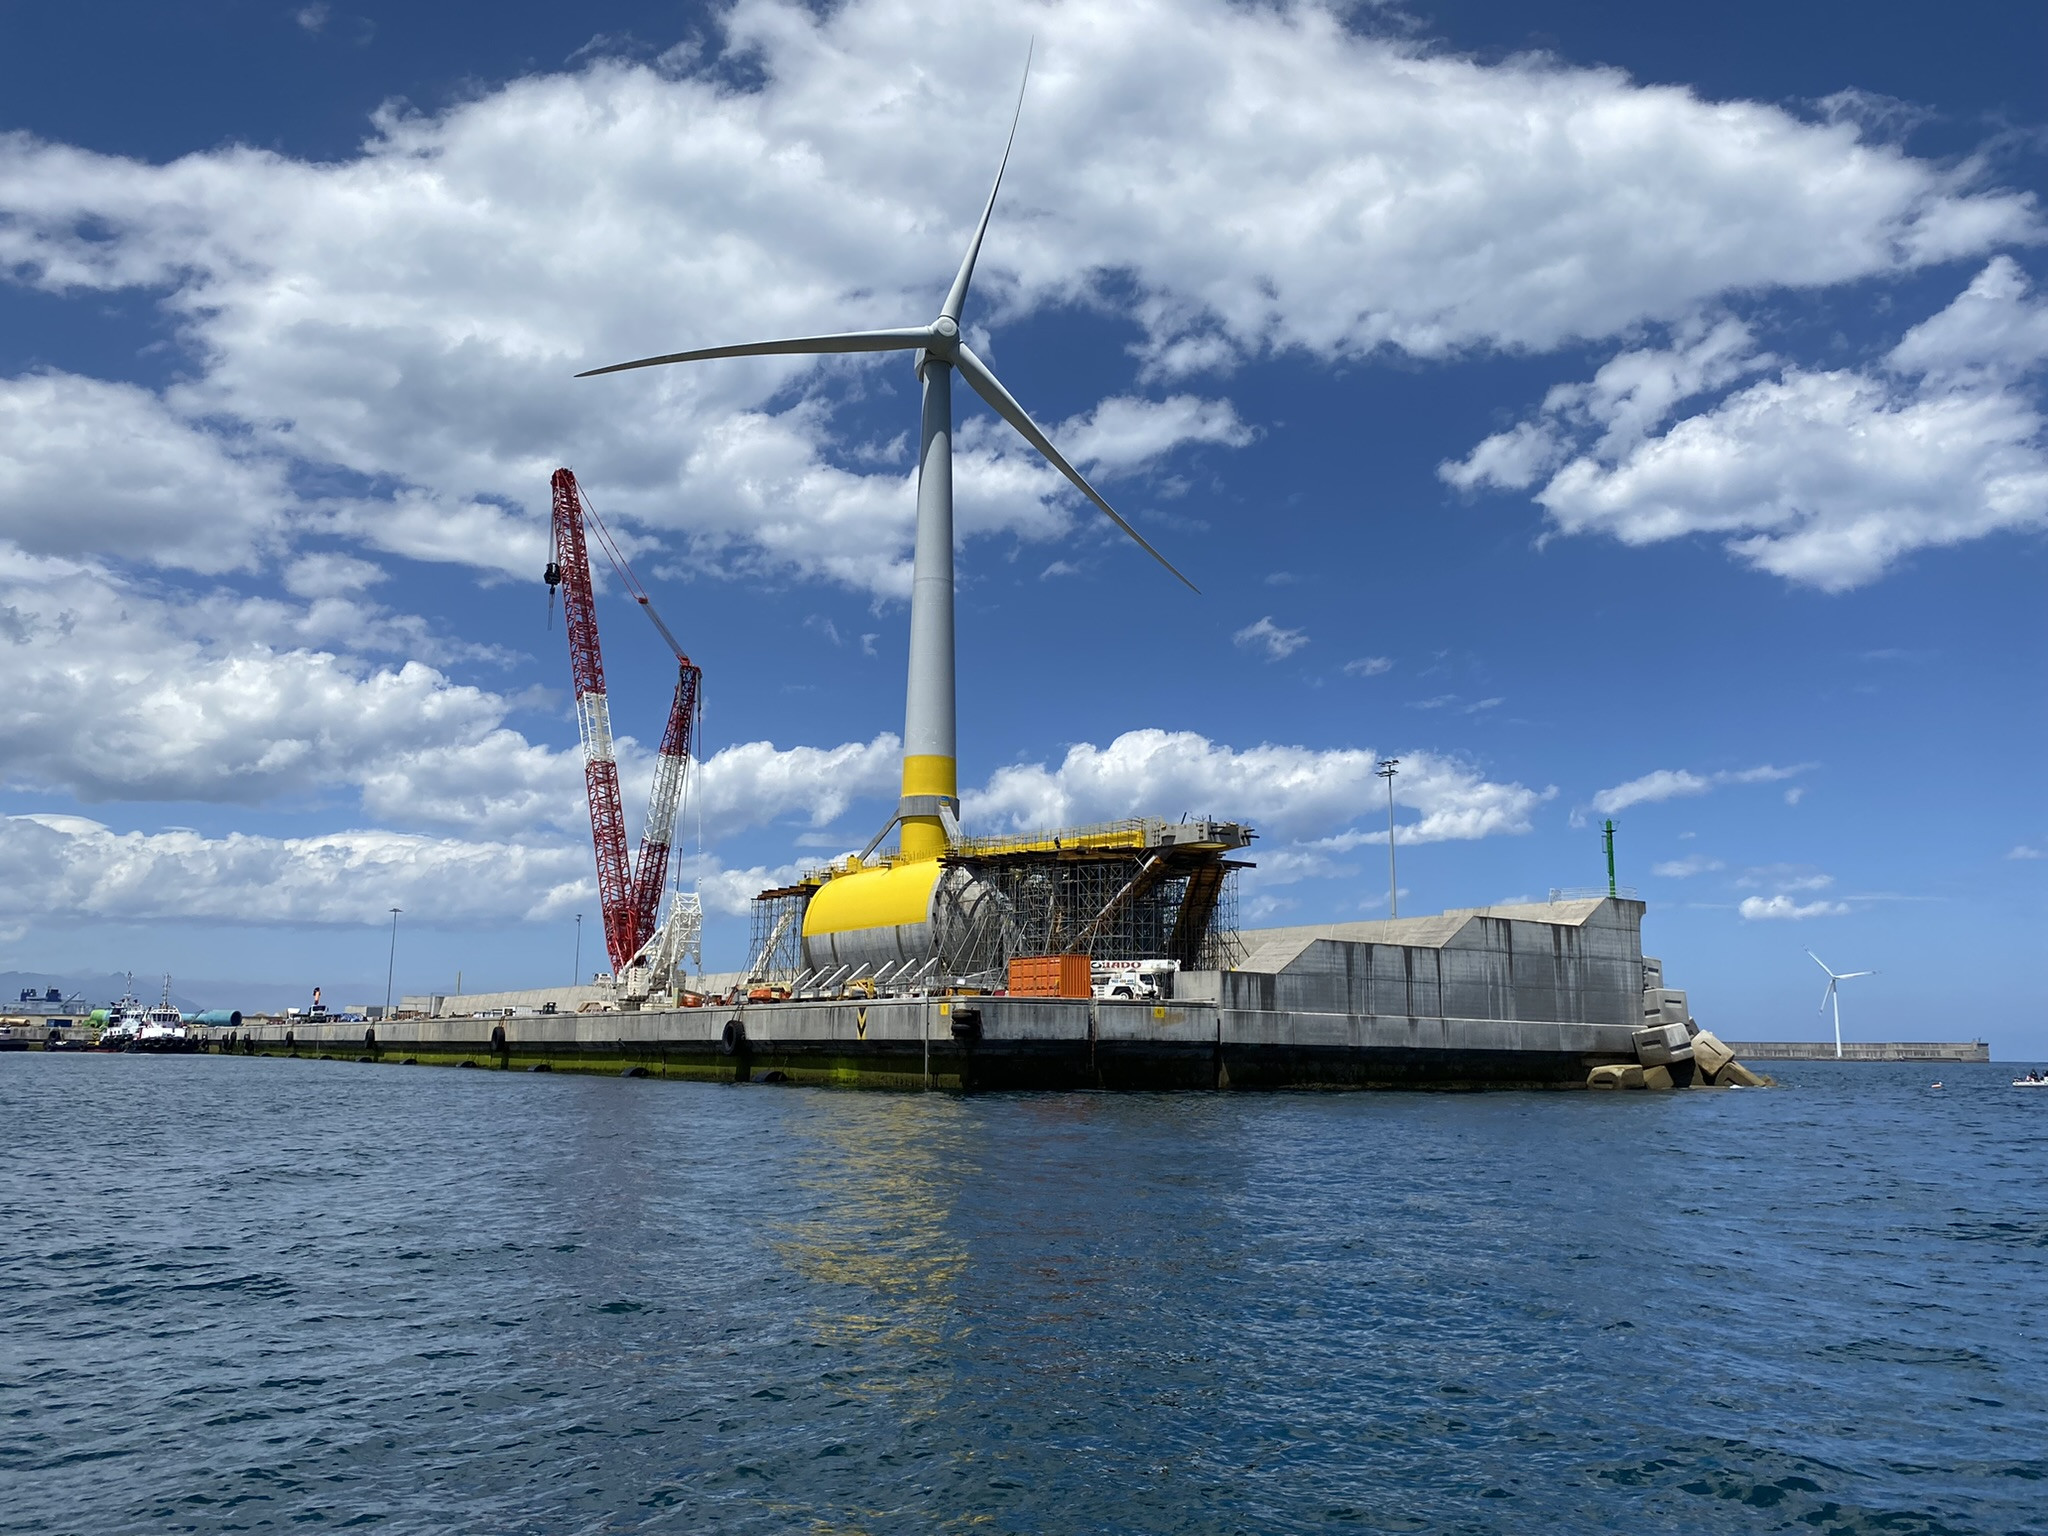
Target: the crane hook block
pixel 552 576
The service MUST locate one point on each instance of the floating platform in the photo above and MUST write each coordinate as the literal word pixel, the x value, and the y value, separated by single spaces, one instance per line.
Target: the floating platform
pixel 1863 1050
pixel 1531 995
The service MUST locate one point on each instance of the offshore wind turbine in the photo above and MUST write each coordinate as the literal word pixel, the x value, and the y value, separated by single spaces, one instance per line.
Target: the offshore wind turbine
pixel 929 809
pixel 1834 994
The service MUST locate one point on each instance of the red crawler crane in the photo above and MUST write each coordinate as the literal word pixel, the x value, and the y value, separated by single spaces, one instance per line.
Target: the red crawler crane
pixel 629 892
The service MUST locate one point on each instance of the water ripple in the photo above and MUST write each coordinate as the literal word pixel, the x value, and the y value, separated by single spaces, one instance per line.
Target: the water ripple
pixel 248 1294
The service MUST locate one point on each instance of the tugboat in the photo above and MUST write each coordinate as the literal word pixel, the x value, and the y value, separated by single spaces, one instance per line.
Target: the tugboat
pixel 124 1021
pixel 163 1029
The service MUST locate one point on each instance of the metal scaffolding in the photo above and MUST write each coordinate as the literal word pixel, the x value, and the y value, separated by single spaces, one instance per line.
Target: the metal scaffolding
pixel 1141 889
pixel 1107 903
pixel 776 946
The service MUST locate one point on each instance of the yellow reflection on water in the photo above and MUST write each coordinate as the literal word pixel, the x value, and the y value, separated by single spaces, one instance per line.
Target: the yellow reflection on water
pixel 883 1181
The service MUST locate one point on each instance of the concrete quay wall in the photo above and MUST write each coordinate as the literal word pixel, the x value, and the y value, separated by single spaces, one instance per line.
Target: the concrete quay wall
pixel 983 1043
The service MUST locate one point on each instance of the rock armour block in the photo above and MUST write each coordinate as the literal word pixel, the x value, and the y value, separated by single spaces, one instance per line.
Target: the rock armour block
pixel 1709 1053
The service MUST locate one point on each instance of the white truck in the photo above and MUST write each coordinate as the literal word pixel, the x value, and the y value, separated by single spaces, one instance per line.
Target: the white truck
pixel 1138 981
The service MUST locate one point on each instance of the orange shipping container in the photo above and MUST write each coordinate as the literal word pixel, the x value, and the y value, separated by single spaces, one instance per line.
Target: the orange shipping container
pixel 1050 976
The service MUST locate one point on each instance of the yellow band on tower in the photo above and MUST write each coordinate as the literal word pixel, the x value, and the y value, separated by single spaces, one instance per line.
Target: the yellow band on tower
pixel 930 776
pixel 924 837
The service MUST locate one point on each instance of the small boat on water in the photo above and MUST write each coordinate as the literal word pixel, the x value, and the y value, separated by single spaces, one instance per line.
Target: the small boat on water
pixel 2032 1080
pixel 159 1029
pixel 124 1021
pixel 164 1030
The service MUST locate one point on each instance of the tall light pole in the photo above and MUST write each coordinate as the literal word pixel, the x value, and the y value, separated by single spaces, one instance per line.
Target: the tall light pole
pixel 1389 766
pixel 576 970
pixel 391 965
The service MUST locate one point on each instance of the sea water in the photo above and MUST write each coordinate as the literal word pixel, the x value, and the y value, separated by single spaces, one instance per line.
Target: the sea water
pixel 249 1294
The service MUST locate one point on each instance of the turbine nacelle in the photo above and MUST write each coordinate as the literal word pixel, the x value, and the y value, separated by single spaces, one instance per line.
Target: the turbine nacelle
pixel 944 345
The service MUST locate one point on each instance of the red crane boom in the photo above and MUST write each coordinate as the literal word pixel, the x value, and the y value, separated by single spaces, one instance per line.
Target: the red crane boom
pixel 628 891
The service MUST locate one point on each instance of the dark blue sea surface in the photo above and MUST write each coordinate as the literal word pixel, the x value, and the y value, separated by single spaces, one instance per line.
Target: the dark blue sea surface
pixel 251 1294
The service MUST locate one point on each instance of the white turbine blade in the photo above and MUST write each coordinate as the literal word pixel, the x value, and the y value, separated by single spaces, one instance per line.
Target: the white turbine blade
pixel 1828 993
pixel 1816 959
pixel 904 339
pixel 956 296
pixel 1847 974
pixel 990 388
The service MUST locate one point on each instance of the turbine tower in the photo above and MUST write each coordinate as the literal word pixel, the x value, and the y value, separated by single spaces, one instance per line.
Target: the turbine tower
pixel 1833 994
pixel 929 809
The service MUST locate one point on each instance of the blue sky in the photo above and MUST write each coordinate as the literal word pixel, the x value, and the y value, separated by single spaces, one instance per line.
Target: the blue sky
pixel 1602 411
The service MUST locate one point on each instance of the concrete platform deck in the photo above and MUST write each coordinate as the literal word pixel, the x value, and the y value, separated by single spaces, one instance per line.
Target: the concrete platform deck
pixel 991 1043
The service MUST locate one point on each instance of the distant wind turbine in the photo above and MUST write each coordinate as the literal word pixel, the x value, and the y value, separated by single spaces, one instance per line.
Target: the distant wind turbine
pixel 930 786
pixel 1834 995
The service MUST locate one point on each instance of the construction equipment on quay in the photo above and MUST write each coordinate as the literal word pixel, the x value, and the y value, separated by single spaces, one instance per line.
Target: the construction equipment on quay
pixel 644 954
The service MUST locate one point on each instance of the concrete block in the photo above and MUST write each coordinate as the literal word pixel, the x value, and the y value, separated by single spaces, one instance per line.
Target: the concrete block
pixel 1709 1053
pixel 1734 1074
pixel 1658 1077
pixel 1662 1005
pixel 1616 1075
pixel 1661 1044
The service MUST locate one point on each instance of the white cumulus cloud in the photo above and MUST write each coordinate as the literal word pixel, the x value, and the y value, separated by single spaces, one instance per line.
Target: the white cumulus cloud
pixel 1786 908
pixel 1822 477
pixel 1275 640
pixel 88 466
pixel 1686 868
pixel 1286 792
pixel 72 867
pixel 115 692
pixel 1674 783
pixel 408 317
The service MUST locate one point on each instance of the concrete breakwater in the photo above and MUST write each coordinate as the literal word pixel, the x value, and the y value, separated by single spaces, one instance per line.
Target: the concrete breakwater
pixel 1863 1050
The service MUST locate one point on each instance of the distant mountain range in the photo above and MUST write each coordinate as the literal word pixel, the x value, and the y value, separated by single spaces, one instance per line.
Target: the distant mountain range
pixel 188 995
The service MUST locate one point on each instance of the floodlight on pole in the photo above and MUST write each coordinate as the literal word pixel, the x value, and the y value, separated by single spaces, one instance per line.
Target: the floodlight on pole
pixel 1389 766
pixel 1833 994
pixel 576 970
pixel 391 964
pixel 929 807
